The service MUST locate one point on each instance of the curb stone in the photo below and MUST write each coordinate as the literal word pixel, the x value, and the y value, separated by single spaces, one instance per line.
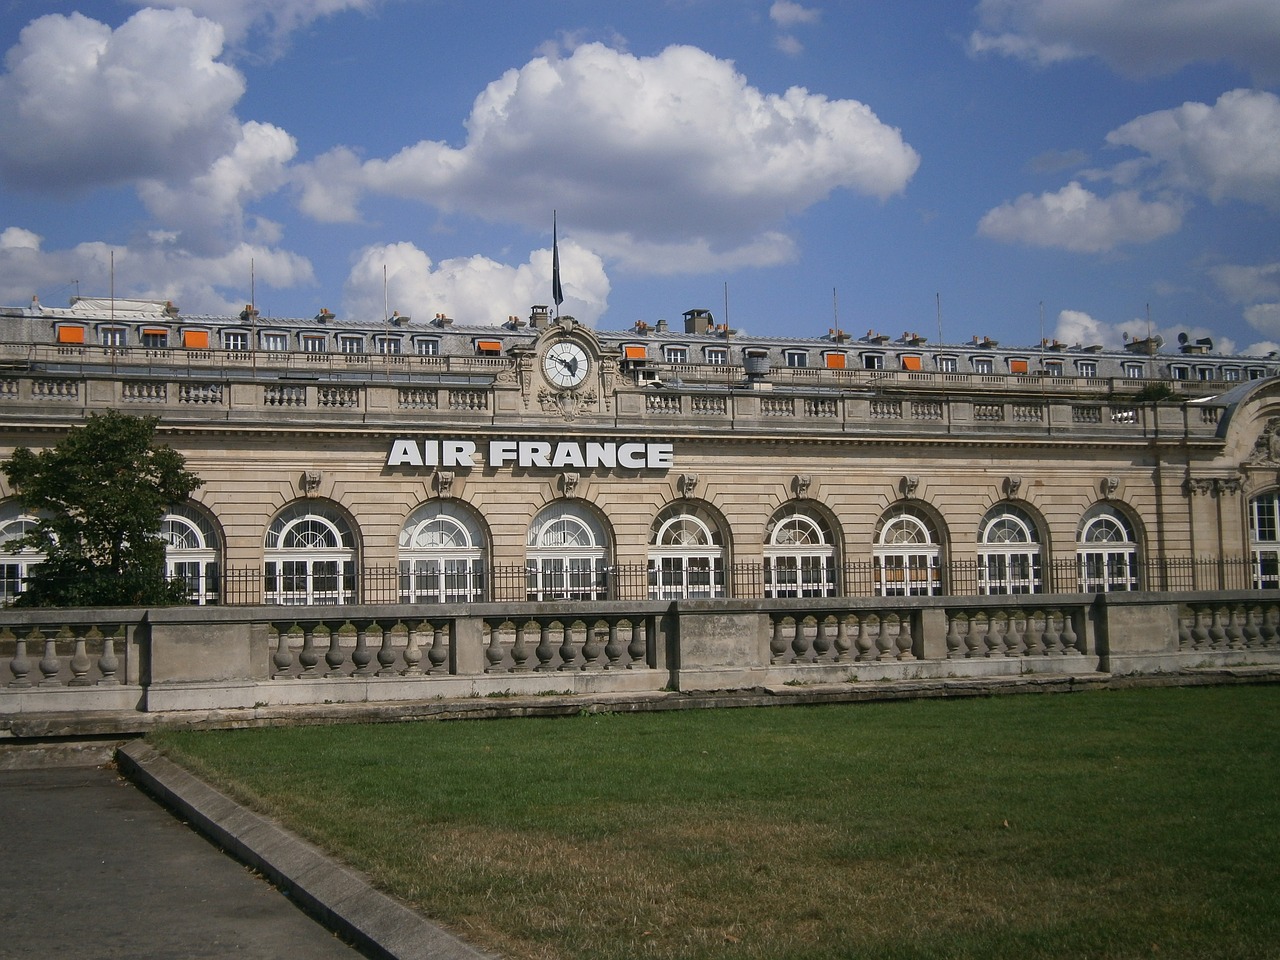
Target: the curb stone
pixel 335 895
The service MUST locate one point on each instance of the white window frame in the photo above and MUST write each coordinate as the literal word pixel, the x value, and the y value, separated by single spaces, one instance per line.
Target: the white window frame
pixel 442 555
pixel 192 553
pixel 799 556
pixel 1264 540
pixel 1106 551
pixel 1010 557
pixel 686 556
pixel 1087 369
pixel 796 359
pixel 235 341
pixel 273 341
pixel 426 346
pixel 567 555
pixel 716 356
pixel 907 557
pixel 675 353
pixel 309 558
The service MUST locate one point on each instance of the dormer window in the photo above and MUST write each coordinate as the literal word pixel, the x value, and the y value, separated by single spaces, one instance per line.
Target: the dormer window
pixel 675 354
pixel 426 346
pixel 796 358
pixel 111 336
pixel 489 348
pixel 350 343
pixel 718 356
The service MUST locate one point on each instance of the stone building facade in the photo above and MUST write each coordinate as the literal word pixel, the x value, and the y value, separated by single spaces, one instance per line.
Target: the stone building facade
pixel 421 462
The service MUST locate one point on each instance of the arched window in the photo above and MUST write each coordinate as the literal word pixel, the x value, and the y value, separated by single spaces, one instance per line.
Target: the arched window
pixel 15 567
pixel 799 555
pixel 441 555
pixel 310 556
pixel 1106 551
pixel 1264 534
pixel 686 554
pixel 907 556
pixel 192 552
pixel 567 555
pixel 1009 555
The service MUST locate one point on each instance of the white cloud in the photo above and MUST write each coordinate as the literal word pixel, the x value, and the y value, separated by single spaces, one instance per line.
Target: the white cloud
pixel 674 149
pixel 15 238
pixel 1265 318
pixel 209 208
pixel 789 45
pixel 276 18
pixel 1248 284
pixel 1077 219
pixel 473 290
pixel 1078 327
pixel 83 106
pixel 1227 150
pixel 785 13
pixel 154 271
pixel 1137 37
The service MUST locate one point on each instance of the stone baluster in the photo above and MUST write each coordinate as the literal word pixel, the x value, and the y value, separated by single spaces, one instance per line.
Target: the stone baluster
pixel 282 659
pixel 1070 639
pixel 972 630
pixel 1235 629
pixel 1052 639
pixel 1018 621
pixel 778 644
pixel 998 640
pixel 80 662
pixel 842 644
pixel 638 648
pixel 885 647
pixel 821 637
pixel 800 645
pixel 545 651
pixel 50 665
pixel 1217 632
pixel 1200 632
pixel 1252 634
pixel 437 655
pixel 955 639
pixel 362 656
pixel 567 652
pixel 1037 624
pixel 308 657
pixel 520 650
pixel 592 646
pixel 1270 629
pixel 108 662
pixel 412 651
pixel 977 627
pixel 335 656
pixel 386 649
pixel 906 638
pixel 613 647
pixel 20 665
pixel 1186 622
pixel 862 641
pixel 493 652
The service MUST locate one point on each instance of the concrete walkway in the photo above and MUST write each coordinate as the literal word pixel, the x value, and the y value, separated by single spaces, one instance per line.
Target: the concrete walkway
pixel 93 868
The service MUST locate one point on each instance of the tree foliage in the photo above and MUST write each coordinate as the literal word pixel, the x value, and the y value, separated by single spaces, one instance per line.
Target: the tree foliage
pixel 99 496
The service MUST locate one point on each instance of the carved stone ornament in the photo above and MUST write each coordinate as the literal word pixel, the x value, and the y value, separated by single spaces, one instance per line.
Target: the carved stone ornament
pixel 800 484
pixel 568 403
pixel 1012 484
pixel 1199 486
pixel 444 483
pixel 908 485
pixel 569 482
pixel 1109 486
pixel 687 484
pixel 310 481
pixel 1266 449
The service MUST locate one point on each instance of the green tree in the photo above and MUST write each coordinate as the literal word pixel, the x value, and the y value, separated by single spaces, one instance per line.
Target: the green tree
pixel 99 496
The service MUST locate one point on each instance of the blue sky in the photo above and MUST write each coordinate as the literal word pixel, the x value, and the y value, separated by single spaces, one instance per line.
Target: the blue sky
pixel 1068 167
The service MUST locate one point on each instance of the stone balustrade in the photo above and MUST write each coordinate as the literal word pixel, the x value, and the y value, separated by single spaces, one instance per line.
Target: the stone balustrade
pixel 121 662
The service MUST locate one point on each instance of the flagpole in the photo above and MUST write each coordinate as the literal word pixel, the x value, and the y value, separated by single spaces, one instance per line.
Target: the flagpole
pixel 557 292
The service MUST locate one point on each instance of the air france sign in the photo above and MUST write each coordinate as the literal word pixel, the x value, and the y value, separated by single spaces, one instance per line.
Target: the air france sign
pixel 591 454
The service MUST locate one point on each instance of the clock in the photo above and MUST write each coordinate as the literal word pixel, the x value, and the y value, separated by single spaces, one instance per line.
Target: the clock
pixel 566 364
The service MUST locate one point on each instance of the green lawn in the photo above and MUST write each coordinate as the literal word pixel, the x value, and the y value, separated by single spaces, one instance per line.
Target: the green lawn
pixel 1142 823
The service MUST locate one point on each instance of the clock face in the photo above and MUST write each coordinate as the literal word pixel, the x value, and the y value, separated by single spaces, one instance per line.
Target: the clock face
pixel 566 364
